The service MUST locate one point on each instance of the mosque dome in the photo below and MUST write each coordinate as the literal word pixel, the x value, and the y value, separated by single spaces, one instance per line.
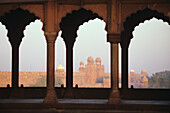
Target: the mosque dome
pixel 90 60
pixel 98 60
pixel 60 67
pixel 132 71
pixel 144 79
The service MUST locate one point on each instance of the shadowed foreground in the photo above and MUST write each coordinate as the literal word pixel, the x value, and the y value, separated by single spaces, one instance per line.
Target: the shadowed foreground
pixel 83 106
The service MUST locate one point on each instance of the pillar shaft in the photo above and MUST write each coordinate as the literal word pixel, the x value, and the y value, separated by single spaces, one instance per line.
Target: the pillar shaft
pixel 69 68
pixel 114 66
pixel 15 66
pixel 114 95
pixel 125 67
pixel 50 64
pixel 50 95
pixel 50 37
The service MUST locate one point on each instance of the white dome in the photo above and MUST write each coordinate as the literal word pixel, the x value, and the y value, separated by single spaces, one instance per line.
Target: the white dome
pixel 132 71
pixel 60 67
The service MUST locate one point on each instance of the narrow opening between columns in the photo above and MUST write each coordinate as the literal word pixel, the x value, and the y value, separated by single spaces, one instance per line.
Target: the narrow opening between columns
pixel 32 56
pixel 5 58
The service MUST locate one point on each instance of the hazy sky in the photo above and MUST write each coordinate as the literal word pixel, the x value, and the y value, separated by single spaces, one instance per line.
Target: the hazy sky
pixel 91 41
pixel 148 49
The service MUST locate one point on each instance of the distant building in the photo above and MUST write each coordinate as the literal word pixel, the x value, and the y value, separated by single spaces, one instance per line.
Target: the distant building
pixel 138 80
pixel 89 75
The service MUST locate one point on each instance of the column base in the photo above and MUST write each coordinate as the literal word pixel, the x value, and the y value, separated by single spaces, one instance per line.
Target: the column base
pixel 50 96
pixel 114 97
pixel 69 93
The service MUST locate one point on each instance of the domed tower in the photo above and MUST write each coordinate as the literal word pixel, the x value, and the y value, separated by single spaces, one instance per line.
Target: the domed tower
pixel 144 82
pixel 90 60
pixel 81 64
pixel 81 68
pixel 132 72
pixel 60 70
pixel 98 61
pixel 144 72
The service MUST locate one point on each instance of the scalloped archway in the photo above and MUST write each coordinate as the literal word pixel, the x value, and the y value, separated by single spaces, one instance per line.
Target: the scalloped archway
pixel 139 17
pixel 16 21
pixel 69 26
pixel 126 35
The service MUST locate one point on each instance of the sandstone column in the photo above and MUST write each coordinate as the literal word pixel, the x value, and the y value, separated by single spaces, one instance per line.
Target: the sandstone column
pixel 15 22
pixel 114 95
pixel 50 37
pixel 51 95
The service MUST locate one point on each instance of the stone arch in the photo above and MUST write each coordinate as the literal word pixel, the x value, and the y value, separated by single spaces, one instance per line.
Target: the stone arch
pixel 71 22
pixel 135 19
pixel 126 35
pixel 15 22
pixel 69 26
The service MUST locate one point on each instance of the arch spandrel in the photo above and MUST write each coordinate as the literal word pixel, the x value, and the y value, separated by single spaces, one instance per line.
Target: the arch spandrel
pixel 100 9
pixel 6 8
pixel 61 11
pixel 128 7
pixel 37 9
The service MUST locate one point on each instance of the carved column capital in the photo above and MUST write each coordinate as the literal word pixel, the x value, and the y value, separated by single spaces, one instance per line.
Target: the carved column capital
pixel 113 38
pixel 50 36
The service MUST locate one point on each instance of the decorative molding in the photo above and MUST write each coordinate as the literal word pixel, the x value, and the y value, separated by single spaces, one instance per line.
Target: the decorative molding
pixel 85 2
pixel 142 1
pixel 21 1
pixel 50 34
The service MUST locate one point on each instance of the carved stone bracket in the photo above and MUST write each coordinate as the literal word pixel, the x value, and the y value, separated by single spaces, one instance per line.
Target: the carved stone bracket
pixel 113 38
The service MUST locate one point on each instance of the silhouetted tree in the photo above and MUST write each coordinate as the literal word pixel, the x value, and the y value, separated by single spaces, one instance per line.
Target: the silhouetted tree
pixel 160 80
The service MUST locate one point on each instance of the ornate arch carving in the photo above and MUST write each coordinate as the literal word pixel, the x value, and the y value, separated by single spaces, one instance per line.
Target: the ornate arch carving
pixel 16 21
pixel 71 22
pixel 135 19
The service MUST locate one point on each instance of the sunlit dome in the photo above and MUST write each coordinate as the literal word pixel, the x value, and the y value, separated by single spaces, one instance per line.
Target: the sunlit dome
pixel 60 67
pixel 90 60
pixel 98 60
pixel 132 71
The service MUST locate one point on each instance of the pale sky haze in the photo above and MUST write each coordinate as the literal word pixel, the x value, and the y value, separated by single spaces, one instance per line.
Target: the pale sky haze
pixel 149 49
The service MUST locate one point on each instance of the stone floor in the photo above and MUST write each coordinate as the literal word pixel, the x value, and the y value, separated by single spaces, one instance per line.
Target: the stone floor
pixel 86 101
pixel 83 106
